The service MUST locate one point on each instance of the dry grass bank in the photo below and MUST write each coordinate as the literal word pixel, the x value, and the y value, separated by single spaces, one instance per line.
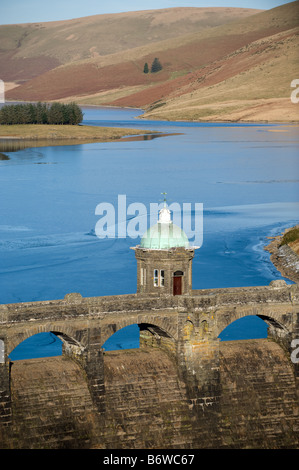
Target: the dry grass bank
pixel 66 133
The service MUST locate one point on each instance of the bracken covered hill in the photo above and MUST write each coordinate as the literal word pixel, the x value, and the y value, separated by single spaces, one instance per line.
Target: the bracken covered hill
pixel 241 70
pixel 27 50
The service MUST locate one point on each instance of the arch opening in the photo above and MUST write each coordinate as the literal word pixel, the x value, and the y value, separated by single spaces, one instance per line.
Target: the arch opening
pixel 124 338
pixel 272 322
pixel 247 327
pixel 128 337
pixel 154 330
pixel 45 344
pixel 275 329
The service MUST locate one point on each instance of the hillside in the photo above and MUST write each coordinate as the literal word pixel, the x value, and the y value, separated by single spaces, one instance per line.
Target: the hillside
pixel 240 70
pixel 251 84
pixel 27 50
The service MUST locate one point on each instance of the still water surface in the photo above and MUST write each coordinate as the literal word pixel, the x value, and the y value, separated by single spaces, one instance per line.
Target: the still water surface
pixel 246 176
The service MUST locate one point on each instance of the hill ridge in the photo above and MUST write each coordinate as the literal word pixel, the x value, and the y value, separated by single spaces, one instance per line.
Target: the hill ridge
pixel 264 44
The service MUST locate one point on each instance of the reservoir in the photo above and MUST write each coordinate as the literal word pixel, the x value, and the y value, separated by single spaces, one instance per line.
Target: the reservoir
pixel 245 175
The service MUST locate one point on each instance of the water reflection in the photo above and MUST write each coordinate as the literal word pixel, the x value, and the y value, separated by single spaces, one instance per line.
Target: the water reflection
pixel 4 157
pixel 136 138
pixel 13 145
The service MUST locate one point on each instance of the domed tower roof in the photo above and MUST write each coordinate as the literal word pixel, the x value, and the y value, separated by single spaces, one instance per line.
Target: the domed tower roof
pixel 164 234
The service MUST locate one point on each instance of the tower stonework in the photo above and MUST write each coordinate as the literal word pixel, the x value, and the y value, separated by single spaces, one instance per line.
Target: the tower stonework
pixel 164 259
pixel 164 271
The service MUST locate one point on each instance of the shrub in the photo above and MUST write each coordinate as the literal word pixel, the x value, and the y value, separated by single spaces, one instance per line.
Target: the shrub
pixel 291 236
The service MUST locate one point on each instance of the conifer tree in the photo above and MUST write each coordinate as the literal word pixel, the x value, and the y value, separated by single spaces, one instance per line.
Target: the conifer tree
pixel 41 113
pixel 55 114
pixel 156 66
pixel 75 114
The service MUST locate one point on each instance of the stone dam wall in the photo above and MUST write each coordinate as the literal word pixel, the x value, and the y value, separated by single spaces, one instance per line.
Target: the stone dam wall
pixel 148 404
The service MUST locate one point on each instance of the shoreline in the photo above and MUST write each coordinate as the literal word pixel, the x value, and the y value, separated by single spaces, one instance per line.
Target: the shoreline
pixel 285 260
pixel 144 111
pixel 65 134
pixel 216 121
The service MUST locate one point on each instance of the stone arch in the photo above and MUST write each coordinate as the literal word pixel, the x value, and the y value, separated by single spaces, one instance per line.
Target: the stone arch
pixel 204 328
pixel 278 318
pixel 154 329
pixel 188 330
pixel 65 332
pixel 156 326
pixel 274 323
pixel 197 329
pixel 70 346
pixel 165 324
pixel 155 337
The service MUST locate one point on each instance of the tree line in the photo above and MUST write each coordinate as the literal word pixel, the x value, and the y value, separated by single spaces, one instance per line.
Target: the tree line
pixel 41 113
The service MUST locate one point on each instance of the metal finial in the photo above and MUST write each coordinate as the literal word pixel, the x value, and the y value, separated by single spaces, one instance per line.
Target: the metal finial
pixel 164 194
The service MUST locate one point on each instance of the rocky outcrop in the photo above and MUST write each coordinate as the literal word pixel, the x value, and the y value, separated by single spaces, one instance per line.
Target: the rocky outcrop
pixel 284 258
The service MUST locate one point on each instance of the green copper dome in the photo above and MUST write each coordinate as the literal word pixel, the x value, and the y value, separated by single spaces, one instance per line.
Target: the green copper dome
pixel 164 235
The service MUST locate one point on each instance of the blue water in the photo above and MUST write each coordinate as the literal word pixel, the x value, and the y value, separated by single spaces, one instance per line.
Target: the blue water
pixel 246 176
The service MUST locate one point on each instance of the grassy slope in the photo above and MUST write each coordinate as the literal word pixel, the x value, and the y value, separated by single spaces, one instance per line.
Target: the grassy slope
pixel 251 84
pixel 238 71
pixel 118 70
pixel 31 49
pixel 68 133
pixel 291 238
